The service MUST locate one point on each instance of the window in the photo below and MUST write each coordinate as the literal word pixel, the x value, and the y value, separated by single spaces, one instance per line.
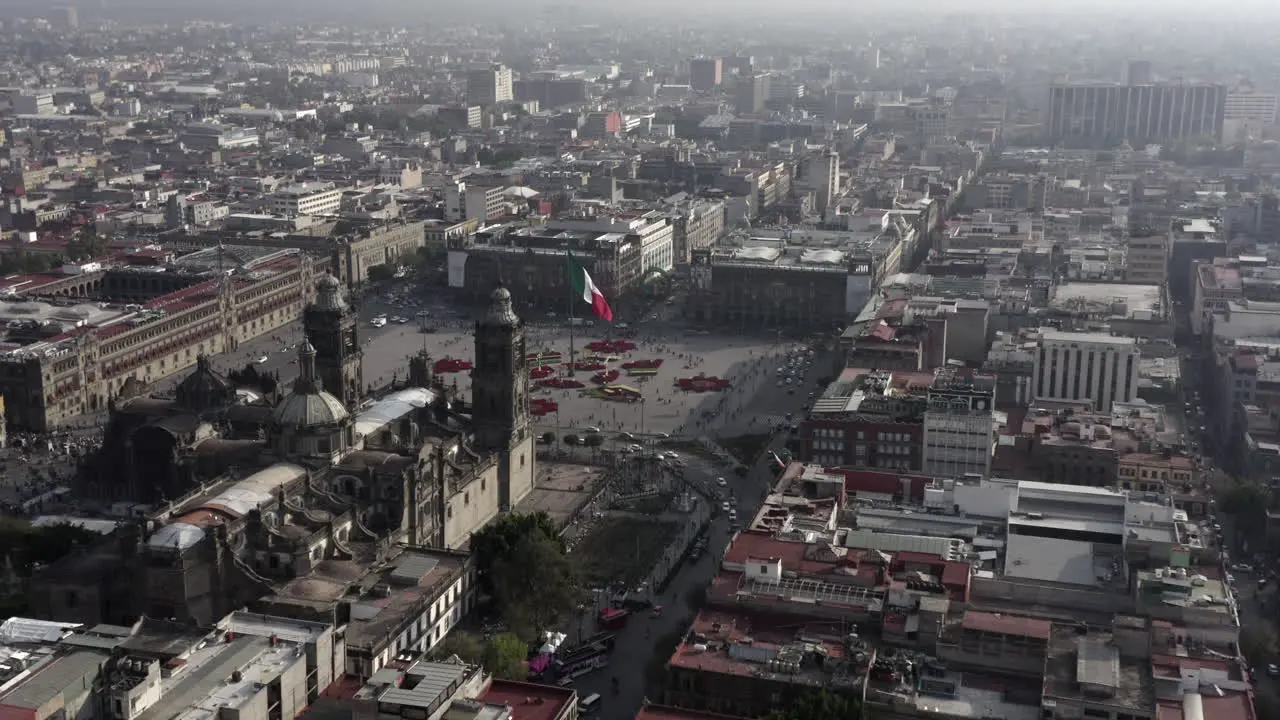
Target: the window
pixel 764 569
pixel 1100 714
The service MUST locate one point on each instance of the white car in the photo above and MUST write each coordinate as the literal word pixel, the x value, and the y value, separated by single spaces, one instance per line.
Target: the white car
pixel 724 506
pixel 722 482
pixel 672 456
pixel 663 436
pixel 593 429
pixel 262 360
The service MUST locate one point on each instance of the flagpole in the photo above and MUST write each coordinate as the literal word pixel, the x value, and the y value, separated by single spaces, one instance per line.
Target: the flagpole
pixel 569 287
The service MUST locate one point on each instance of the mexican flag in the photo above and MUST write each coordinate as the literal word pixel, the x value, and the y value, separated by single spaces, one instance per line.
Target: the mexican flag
pixel 587 290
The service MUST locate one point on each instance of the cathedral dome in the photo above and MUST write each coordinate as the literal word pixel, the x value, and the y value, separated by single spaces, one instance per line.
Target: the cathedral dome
pixel 329 294
pixel 203 388
pixel 308 406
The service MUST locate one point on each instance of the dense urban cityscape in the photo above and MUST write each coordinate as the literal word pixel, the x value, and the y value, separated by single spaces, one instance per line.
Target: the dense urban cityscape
pixel 532 362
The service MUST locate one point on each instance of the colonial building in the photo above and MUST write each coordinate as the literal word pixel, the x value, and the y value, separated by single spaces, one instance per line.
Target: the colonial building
pixel 48 382
pixel 303 501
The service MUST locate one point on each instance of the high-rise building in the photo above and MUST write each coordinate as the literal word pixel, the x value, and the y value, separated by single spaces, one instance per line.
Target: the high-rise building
pixel 489 86
pixel 1097 115
pixel 1138 72
pixel 1086 367
pixel 753 91
pixel 958 424
pixel 822 173
pixel 70 18
pixel 706 73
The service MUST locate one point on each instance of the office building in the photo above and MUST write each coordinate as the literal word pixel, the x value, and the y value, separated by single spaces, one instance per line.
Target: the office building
pixel 1247 113
pixel 822 173
pixel 1138 72
pixel 706 74
pixel 958 425
pixel 489 86
pixel 1146 260
pixel 1096 115
pixel 753 91
pixel 305 199
pixel 470 201
pixel 32 102
pixel 1086 367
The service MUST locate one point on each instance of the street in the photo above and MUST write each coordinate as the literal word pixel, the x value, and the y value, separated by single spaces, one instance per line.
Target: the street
pixel 638 641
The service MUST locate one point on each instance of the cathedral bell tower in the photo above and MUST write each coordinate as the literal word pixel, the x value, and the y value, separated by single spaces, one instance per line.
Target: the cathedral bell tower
pixel 332 326
pixel 500 397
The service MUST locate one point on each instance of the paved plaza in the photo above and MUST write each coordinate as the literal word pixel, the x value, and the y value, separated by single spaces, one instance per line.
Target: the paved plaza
pixel 754 401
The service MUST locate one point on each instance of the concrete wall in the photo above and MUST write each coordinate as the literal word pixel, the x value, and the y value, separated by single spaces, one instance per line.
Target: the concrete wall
pixel 1054 596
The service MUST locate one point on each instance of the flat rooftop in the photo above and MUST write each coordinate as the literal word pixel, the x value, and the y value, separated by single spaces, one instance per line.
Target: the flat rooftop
pixel 416 579
pixel 286 629
pixel 69 316
pixel 1093 661
pixel 1139 302
pixel 228 692
pixel 206 671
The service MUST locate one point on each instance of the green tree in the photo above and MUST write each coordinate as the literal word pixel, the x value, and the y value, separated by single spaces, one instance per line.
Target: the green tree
pixel 467 646
pixel 499 540
pixel 535 586
pixel 505 656
pixel 594 440
pixel 569 439
pixel 381 273
pixel 29 546
pixel 819 705
pixel 1248 503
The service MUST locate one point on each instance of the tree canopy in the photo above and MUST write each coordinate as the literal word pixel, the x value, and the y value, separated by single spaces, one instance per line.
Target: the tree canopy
pixel 505 656
pixel 469 647
pixel 819 705
pixel 498 539
pixel 535 586
pixel 28 546
pixel 521 561
pixel 1248 502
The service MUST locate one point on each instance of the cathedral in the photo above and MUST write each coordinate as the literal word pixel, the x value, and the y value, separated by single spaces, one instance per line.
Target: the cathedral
pixel 297 495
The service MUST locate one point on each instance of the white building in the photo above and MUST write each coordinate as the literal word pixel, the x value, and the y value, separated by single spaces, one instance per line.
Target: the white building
pixel 489 86
pixel 1081 366
pixel 655 231
pixel 1066 534
pixel 958 424
pixel 1246 113
pixel 464 201
pixel 305 199
pixel 28 102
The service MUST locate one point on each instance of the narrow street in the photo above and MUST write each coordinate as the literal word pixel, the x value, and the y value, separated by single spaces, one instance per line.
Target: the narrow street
pixel 638 641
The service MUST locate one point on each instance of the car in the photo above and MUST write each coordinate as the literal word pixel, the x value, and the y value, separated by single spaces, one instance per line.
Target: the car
pixel 262 360
pixel 1273 670
pixel 672 455
pixel 635 448
pixel 722 482
pixel 663 436
pixel 593 429
pixel 724 507
pixel 626 436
